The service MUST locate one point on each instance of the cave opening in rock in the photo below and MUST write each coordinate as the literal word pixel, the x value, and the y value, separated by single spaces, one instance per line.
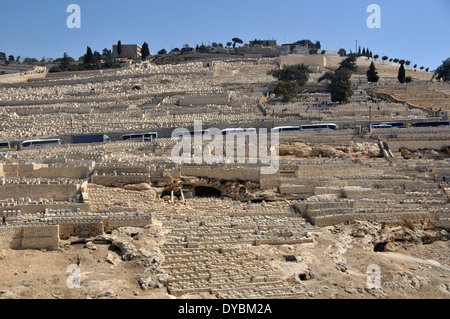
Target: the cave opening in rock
pixel 290 258
pixel 205 191
pixel 379 247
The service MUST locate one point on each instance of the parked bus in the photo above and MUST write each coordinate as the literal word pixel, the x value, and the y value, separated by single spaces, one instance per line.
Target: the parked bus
pixel 140 137
pixel 382 125
pixel 318 127
pixel 431 124
pixel 5 145
pixel 389 125
pixel 46 142
pixel 238 131
pixel 85 139
pixel 286 129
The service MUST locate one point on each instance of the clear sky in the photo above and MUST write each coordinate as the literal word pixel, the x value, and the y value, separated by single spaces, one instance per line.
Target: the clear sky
pixel 416 30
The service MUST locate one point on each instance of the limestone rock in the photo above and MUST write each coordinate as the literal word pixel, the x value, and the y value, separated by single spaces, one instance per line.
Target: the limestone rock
pixel 138 187
pixel 113 259
pixel 153 281
pixel 128 251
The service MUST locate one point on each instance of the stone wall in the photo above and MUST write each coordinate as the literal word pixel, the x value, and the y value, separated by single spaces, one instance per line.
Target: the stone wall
pixel 42 208
pixel 57 192
pixel 315 61
pixel 323 221
pixel 112 221
pixel 42 171
pixel 214 99
pixel 30 237
pixel 110 180
pixel 78 228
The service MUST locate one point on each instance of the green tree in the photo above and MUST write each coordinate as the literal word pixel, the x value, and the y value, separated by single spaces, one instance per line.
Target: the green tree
pixel 2 56
pixel 327 76
pixel 162 51
pixel 401 74
pixel 65 62
pixel 349 63
pixel 408 79
pixel 372 74
pixel 54 69
pixel 203 49
pixel 88 57
pixel 96 59
pixel 443 71
pixel 342 52
pixel 236 40
pixel 318 45
pixel 298 73
pixel 30 61
pixel 287 89
pixel 119 47
pixel 307 43
pixel 145 51
pixel 340 86
pixel 229 44
pixel 376 56
pixel 11 58
pixel 106 54
pixel 384 58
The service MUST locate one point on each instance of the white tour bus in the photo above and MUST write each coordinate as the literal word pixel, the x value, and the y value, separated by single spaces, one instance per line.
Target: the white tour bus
pixel 286 129
pixel 238 131
pixel 140 136
pixel 33 143
pixel 306 127
pixel 318 127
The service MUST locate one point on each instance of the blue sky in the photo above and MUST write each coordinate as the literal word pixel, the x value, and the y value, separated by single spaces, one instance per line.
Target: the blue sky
pixel 415 30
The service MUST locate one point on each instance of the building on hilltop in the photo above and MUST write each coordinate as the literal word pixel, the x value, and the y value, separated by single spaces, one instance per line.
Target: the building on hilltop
pixel 128 51
pixel 265 43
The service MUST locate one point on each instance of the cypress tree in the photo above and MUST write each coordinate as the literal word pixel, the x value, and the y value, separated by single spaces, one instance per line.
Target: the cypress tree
pixel 88 57
pixel 119 47
pixel 372 74
pixel 401 74
pixel 145 51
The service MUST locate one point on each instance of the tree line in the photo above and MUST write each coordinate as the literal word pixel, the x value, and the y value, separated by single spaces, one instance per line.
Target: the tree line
pixel 291 78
